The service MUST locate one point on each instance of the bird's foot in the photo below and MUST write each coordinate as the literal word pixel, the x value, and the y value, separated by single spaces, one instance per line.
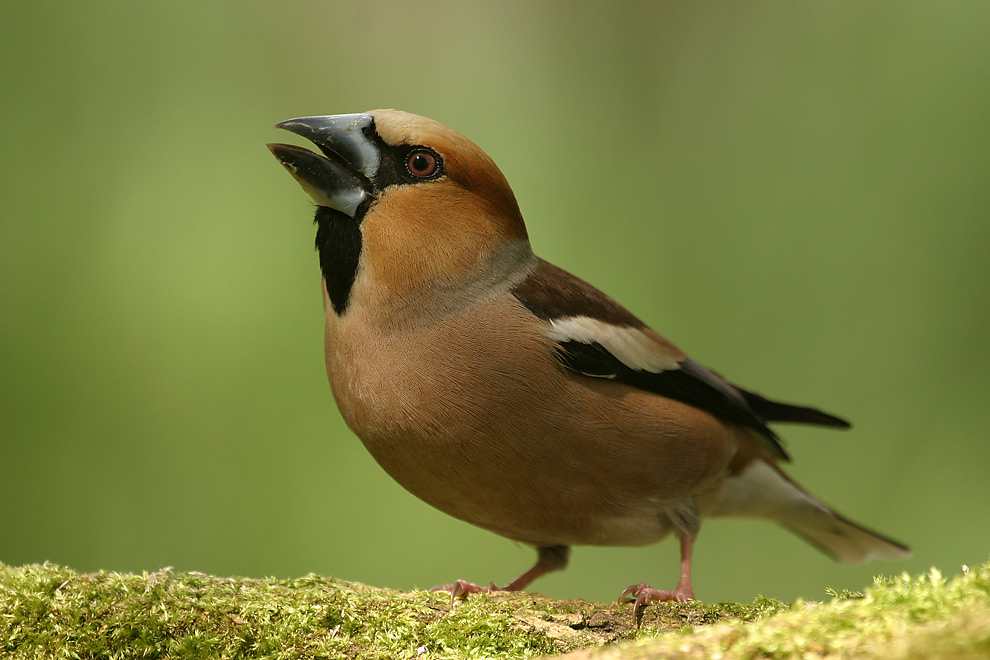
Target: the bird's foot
pixel 644 594
pixel 462 588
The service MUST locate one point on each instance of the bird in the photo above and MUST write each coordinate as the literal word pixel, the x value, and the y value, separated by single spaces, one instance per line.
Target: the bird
pixel 511 394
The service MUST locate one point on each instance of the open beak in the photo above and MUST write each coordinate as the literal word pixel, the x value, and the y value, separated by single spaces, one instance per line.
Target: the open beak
pixel 341 178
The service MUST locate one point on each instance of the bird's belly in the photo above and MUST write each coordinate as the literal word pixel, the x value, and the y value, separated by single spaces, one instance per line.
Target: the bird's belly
pixel 496 483
pixel 533 454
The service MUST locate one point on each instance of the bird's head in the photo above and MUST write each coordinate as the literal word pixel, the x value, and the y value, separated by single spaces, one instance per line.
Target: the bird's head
pixel 412 219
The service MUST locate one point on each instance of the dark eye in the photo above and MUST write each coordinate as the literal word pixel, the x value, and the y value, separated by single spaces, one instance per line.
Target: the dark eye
pixel 422 163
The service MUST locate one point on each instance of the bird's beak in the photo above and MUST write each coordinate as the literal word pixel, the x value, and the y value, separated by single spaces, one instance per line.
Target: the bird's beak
pixel 342 178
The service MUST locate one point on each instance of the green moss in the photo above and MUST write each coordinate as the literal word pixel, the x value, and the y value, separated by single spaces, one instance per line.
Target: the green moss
pixel 48 611
pixel 903 618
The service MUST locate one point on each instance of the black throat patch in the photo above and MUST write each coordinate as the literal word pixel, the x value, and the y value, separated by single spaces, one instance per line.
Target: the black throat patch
pixel 338 240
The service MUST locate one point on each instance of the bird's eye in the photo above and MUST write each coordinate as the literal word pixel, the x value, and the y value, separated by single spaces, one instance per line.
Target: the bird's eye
pixel 422 164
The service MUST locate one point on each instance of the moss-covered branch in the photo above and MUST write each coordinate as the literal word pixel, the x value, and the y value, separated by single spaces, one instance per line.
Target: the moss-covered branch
pixel 900 618
pixel 51 611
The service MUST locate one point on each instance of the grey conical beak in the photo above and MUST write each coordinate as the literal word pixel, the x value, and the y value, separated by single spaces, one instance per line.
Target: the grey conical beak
pixel 341 178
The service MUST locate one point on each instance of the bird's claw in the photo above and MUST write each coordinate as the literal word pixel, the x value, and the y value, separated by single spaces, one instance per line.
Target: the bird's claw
pixel 463 588
pixel 643 594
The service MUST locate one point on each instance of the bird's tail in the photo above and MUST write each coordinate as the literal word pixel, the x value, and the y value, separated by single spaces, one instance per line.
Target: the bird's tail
pixel 842 539
pixel 763 490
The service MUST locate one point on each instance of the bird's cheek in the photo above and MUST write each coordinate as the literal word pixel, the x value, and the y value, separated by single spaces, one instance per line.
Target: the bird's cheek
pixel 419 237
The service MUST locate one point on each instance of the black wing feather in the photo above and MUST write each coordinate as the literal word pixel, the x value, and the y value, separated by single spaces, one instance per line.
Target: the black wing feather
pixel 552 293
pixel 691 384
pixel 774 411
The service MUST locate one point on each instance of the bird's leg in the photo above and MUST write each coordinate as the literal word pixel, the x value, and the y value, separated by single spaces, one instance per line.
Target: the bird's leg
pixel 644 594
pixel 549 558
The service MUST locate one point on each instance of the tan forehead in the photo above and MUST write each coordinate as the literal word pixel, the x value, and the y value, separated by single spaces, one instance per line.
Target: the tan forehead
pixel 398 127
pixel 466 162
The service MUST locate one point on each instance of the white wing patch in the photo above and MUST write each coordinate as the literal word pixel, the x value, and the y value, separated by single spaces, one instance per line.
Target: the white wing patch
pixel 630 346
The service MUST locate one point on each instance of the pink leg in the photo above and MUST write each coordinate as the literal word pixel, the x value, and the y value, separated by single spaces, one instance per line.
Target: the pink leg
pixel 549 558
pixel 644 594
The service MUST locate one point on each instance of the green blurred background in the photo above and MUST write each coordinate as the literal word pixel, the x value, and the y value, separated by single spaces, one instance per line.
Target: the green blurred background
pixel 796 193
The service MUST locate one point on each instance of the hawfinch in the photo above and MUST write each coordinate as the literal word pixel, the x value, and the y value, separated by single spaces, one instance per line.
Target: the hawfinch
pixel 511 394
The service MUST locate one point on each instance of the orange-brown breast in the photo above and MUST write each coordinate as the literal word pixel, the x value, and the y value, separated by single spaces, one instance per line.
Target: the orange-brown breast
pixel 473 414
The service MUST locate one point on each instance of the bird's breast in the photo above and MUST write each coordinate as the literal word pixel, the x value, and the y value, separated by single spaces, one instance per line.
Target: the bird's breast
pixel 474 415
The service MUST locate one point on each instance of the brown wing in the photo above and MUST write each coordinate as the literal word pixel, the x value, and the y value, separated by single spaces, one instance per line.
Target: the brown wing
pixel 599 338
